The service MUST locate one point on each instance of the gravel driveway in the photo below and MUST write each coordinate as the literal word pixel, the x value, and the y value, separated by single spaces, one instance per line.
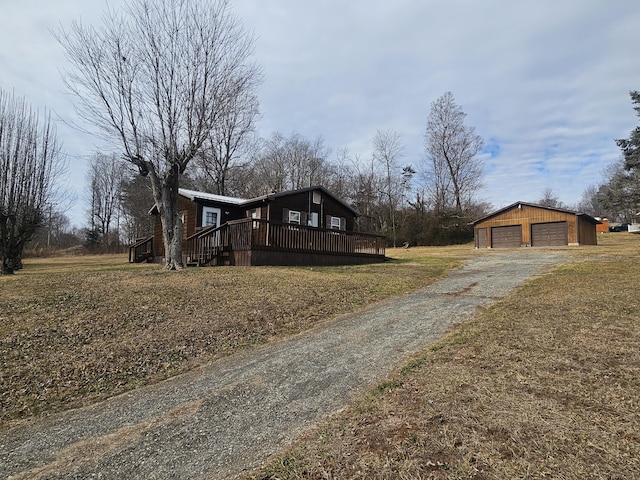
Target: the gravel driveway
pixel 227 417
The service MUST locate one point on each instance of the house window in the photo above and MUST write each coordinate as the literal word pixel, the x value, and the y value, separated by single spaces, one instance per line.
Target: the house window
pixel 294 217
pixel 316 197
pixel 210 216
pixel 254 214
pixel 313 219
pixel 336 223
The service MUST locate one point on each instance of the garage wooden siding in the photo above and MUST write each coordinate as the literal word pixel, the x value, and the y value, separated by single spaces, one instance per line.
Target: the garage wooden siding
pixel 587 235
pixel 550 234
pixel 527 215
pixel 506 237
pixel 481 238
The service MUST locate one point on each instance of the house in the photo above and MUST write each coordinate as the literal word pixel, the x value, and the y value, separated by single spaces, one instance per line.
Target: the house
pixel 528 225
pixel 309 226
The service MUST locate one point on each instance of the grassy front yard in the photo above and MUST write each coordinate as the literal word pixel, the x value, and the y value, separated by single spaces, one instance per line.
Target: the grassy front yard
pixel 74 330
pixel 544 384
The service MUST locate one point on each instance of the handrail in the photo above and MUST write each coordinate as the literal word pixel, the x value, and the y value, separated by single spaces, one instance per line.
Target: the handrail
pixel 203 246
pixel 257 234
pixel 141 251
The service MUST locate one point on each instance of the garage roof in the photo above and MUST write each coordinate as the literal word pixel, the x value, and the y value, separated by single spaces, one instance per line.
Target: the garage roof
pixel 518 204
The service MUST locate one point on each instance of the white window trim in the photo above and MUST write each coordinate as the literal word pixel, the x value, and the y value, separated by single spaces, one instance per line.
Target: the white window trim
pixel 294 217
pixel 254 214
pixel 335 223
pixel 206 210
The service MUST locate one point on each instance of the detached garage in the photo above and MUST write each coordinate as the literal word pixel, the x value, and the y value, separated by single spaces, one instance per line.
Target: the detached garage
pixel 529 225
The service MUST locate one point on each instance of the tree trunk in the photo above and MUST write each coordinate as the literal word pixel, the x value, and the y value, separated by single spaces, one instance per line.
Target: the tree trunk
pixel 7 266
pixel 165 193
pixel 10 246
pixel 11 261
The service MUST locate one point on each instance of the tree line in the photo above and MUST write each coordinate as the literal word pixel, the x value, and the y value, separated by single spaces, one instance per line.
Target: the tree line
pixel 617 198
pixel 173 86
pixel 432 207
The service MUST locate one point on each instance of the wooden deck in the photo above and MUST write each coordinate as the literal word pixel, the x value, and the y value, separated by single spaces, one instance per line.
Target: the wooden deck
pixel 260 242
pixel 141 251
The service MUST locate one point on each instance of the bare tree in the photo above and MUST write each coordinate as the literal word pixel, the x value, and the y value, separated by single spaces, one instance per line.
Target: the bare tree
pixel 549 199
pixel 135 202
pixel 288 163
pixel 454 172
pixel 589 202
pixel 339 176
pixel 55 232
pixel 228 137
pixel 158 76
pixel 619 195
pixel 387 151
pixel 362 185
pixel 30 161
pixel 105 182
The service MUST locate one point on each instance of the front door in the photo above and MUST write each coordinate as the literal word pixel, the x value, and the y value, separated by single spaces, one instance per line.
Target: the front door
pixel 211 216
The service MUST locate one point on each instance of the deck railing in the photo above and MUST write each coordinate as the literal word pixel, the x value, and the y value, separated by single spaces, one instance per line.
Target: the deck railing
pixel 253 234
pixel 141 251
pixel 201 247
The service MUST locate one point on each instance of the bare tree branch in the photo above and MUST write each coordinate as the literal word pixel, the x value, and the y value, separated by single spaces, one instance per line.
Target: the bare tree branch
pixel 30 162
pixel 454 172
pixel 158 77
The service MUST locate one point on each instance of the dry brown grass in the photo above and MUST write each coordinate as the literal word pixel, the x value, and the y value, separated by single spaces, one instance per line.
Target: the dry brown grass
pixel 544 384
pixel 77 329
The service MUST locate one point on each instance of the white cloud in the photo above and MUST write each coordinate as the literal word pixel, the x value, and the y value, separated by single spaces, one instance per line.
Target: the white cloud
pixel 544 82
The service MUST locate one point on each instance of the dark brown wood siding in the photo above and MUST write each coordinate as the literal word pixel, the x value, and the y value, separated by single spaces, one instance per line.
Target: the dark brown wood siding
pixel 304 202
pixel 261 257
pixel 228 212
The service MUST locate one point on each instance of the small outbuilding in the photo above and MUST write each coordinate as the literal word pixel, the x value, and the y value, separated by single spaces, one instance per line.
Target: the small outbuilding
pixel 603 227
pixel 528 225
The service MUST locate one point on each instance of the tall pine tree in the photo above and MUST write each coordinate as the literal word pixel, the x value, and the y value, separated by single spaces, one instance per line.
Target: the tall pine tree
pixel 631 146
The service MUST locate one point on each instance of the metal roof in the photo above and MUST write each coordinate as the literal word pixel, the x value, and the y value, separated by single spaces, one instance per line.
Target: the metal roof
pixel 192 195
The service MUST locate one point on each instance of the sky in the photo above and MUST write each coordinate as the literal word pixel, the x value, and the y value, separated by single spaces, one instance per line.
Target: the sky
pixel 545 83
